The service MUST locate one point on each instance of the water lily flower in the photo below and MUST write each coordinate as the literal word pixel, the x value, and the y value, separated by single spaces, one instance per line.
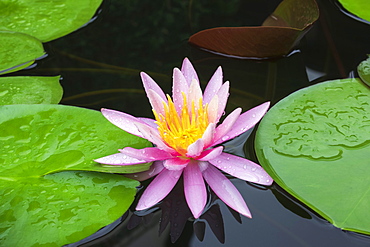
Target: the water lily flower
pixel 187 142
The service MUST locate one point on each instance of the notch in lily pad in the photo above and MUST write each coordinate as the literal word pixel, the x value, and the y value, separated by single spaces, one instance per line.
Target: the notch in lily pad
pixel 277 36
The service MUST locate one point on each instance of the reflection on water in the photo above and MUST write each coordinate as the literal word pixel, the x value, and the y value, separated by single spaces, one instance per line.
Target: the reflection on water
pixel 100 67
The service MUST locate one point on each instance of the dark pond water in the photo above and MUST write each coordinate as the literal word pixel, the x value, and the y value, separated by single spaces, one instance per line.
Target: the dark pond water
pixel 100 66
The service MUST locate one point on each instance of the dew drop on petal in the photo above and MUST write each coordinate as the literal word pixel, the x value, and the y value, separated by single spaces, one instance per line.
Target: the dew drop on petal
pixel 245 166
pixel 254 115
pixel 254 169
pixel 224 138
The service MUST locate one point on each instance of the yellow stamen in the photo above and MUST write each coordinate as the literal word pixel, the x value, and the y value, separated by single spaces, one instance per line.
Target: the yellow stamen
pixel 179 131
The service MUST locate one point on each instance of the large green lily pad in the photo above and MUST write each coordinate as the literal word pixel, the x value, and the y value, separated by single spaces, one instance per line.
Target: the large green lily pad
pixel 17 50
pixel 30 90
pixel 315 143
pixel 360 8
pixel 46 20
pixel 50 138
pixel 48 196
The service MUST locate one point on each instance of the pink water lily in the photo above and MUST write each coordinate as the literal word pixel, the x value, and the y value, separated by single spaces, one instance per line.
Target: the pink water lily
pixel 186 138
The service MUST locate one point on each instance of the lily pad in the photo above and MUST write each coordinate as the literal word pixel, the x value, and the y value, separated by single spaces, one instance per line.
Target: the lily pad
pixel 44 139
pixel 276 37
pixel 46 20
pixel 61 208
pixel 363 70
pixel 30 90
pixel 48 196
pixel 315 143
pixel 359 8
pixel 17 50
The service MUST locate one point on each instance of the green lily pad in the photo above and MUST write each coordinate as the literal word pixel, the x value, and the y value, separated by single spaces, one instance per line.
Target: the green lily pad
pixel 363 70
pixel 315 143
pixel 46 20
pixel 43 139
pixel 30 90
pixel 48 195
pixel 359 8
pixel 61 208
pixel 17 50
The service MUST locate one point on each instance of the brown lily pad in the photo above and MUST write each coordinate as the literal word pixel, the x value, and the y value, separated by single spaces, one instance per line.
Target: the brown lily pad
pixel 277 36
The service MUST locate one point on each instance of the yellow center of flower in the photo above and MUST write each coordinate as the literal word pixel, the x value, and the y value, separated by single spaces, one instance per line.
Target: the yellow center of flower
pixel 180 130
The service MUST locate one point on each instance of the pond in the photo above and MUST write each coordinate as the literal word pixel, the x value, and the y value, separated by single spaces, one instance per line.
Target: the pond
pixel 100 66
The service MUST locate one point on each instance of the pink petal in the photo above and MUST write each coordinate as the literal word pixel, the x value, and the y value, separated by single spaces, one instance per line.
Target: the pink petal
pixel 156 101
pixel 246 121
pixel 158 188
pixel 153 136
pixel 194 95
pixel 213 86
pixel 194 188
pixel 123 120
pixel 149 121
pixel 147 154
pixel 175 164
pixel 226 125
pixel 225 190
pixel 210 154
pixel 188 71
pixel 179 85
pixel 213 110
pixel 241 168
pixel 223 95
pixel 195 149
pixel 119 159
pixel 154 169
pixel 149 83
pixel 208 135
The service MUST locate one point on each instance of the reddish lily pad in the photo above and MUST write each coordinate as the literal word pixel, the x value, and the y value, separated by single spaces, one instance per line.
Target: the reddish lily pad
pixel 315 144
pixel 276 37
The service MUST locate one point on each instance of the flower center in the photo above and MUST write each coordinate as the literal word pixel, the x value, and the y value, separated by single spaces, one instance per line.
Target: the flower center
pixel 180 130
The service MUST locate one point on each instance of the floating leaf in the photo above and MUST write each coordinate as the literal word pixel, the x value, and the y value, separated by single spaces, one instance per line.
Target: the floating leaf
pixel 44 201
pixel 363 70
pixel 359 8
pixel 315 143
pixel 276 37
pixel 46 20
pixel 56 138
pixel 30 90
pixel 60 208
pixel 17 50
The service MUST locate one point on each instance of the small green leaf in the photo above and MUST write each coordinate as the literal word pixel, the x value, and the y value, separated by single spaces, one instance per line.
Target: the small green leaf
pixel 46 20
pixel 30 90
pixel 48 196
pixel 363 70
pixel 17 50
pixel 315 143
pixel 360 8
